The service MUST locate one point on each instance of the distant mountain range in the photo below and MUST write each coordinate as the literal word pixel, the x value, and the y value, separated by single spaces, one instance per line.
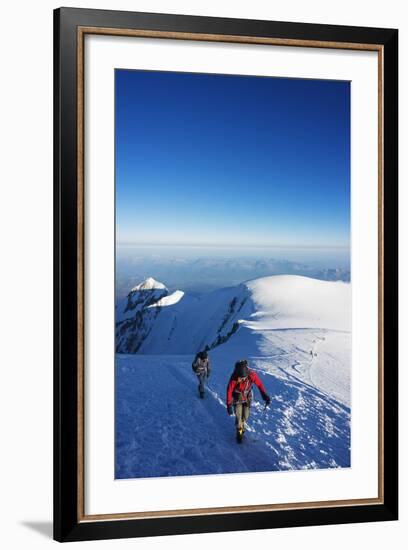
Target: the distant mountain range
pixel 197 275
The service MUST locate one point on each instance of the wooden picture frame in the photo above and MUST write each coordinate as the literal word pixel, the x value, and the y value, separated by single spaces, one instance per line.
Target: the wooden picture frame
pixel 70 27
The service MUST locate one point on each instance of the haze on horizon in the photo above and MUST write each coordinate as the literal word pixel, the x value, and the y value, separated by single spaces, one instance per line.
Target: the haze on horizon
pixel 203 269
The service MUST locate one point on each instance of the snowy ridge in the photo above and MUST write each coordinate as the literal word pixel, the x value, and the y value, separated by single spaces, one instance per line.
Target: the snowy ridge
pixel 185 324
pixel 169 300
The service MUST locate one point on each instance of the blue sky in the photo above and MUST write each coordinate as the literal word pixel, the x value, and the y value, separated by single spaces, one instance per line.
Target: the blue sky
pixel 220 160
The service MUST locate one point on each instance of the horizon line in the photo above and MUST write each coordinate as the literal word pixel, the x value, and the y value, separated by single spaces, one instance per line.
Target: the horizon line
pixel 195 245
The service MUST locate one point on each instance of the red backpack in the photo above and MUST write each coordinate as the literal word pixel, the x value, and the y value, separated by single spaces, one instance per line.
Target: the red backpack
pixel 243 390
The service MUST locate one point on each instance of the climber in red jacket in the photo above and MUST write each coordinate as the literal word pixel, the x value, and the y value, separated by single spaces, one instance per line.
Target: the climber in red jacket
pixel 239 394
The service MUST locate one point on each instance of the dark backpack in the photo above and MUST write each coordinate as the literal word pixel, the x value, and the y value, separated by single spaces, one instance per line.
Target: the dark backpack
pixel 196 363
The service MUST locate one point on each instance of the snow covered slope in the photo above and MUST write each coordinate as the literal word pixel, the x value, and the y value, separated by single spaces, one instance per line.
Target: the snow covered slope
pixel 295 332
pixel 291 301
pixel 164 429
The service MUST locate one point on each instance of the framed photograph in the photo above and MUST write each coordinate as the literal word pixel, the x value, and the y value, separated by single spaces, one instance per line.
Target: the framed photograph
pixel 225 274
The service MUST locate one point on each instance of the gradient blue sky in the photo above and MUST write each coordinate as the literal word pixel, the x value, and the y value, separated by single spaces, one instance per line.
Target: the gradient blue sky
pixel 226 160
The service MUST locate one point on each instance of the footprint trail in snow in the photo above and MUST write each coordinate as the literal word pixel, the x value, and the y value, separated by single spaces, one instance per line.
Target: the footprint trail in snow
pixel 164 429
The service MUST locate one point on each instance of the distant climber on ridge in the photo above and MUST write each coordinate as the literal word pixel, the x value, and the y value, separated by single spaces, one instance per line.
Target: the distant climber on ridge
pixel 239 395
pixel 201 366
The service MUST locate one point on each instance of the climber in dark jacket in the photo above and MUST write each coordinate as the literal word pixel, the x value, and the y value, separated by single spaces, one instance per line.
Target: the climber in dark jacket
pixel 239 394
pixel 201 366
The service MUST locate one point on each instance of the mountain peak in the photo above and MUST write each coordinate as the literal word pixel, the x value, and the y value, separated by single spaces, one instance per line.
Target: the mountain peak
pixel 149 284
